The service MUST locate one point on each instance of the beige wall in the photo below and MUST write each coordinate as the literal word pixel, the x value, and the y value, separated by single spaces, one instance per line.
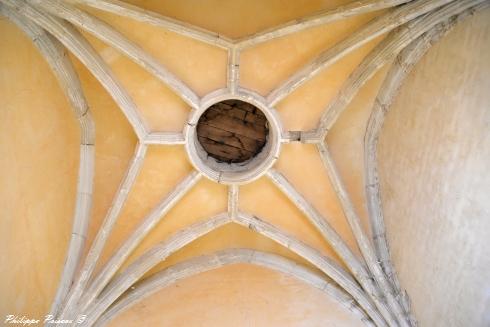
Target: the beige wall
pixel 434 167
pixel 239 295
pixel 38 172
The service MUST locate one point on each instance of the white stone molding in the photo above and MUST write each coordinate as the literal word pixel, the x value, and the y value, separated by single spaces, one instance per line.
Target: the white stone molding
pixel 104 231
pixel 62 67
pixel 317 19
pixel 369 288
pixel 401 68
pixel 148 223
pixel 235 173
pixel 79 46
pixel 124 9
pixel 108 34
pixel 373 29
pixel 225 258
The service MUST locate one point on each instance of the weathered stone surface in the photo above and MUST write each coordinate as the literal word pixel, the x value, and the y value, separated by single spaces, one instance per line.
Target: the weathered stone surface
pixel 232 131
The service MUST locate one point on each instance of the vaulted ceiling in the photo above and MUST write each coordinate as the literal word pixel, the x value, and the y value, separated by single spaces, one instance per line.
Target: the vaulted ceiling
pixel 368 204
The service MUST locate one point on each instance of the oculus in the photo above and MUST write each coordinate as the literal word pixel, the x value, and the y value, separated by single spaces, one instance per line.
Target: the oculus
pixel 233 138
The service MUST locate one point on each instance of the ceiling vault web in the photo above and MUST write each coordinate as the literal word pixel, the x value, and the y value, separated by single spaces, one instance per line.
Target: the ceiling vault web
pixel 62 67
pixel 369 287
pixel 228 257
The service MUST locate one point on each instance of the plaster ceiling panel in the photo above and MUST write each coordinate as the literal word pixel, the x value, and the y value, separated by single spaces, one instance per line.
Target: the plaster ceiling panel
pixel 205 200
pixel 302 166
pixel 346 142
pixel 238 295
pixel 283 214
pixel 228 236
pixel 115 144
pixel 201 66
pixel 152 185
pixel 302 109
pixel 223 16
pixel 160 108
pixel 262 70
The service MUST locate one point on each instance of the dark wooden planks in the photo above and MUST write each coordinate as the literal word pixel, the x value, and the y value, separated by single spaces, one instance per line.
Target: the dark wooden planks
pixel 232 131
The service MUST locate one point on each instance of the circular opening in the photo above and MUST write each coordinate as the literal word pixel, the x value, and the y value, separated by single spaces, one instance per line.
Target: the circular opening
pixel 232 131
pixel 233 138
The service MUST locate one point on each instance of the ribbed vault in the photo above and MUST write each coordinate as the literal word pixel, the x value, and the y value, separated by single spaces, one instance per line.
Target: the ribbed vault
pixel 341 249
